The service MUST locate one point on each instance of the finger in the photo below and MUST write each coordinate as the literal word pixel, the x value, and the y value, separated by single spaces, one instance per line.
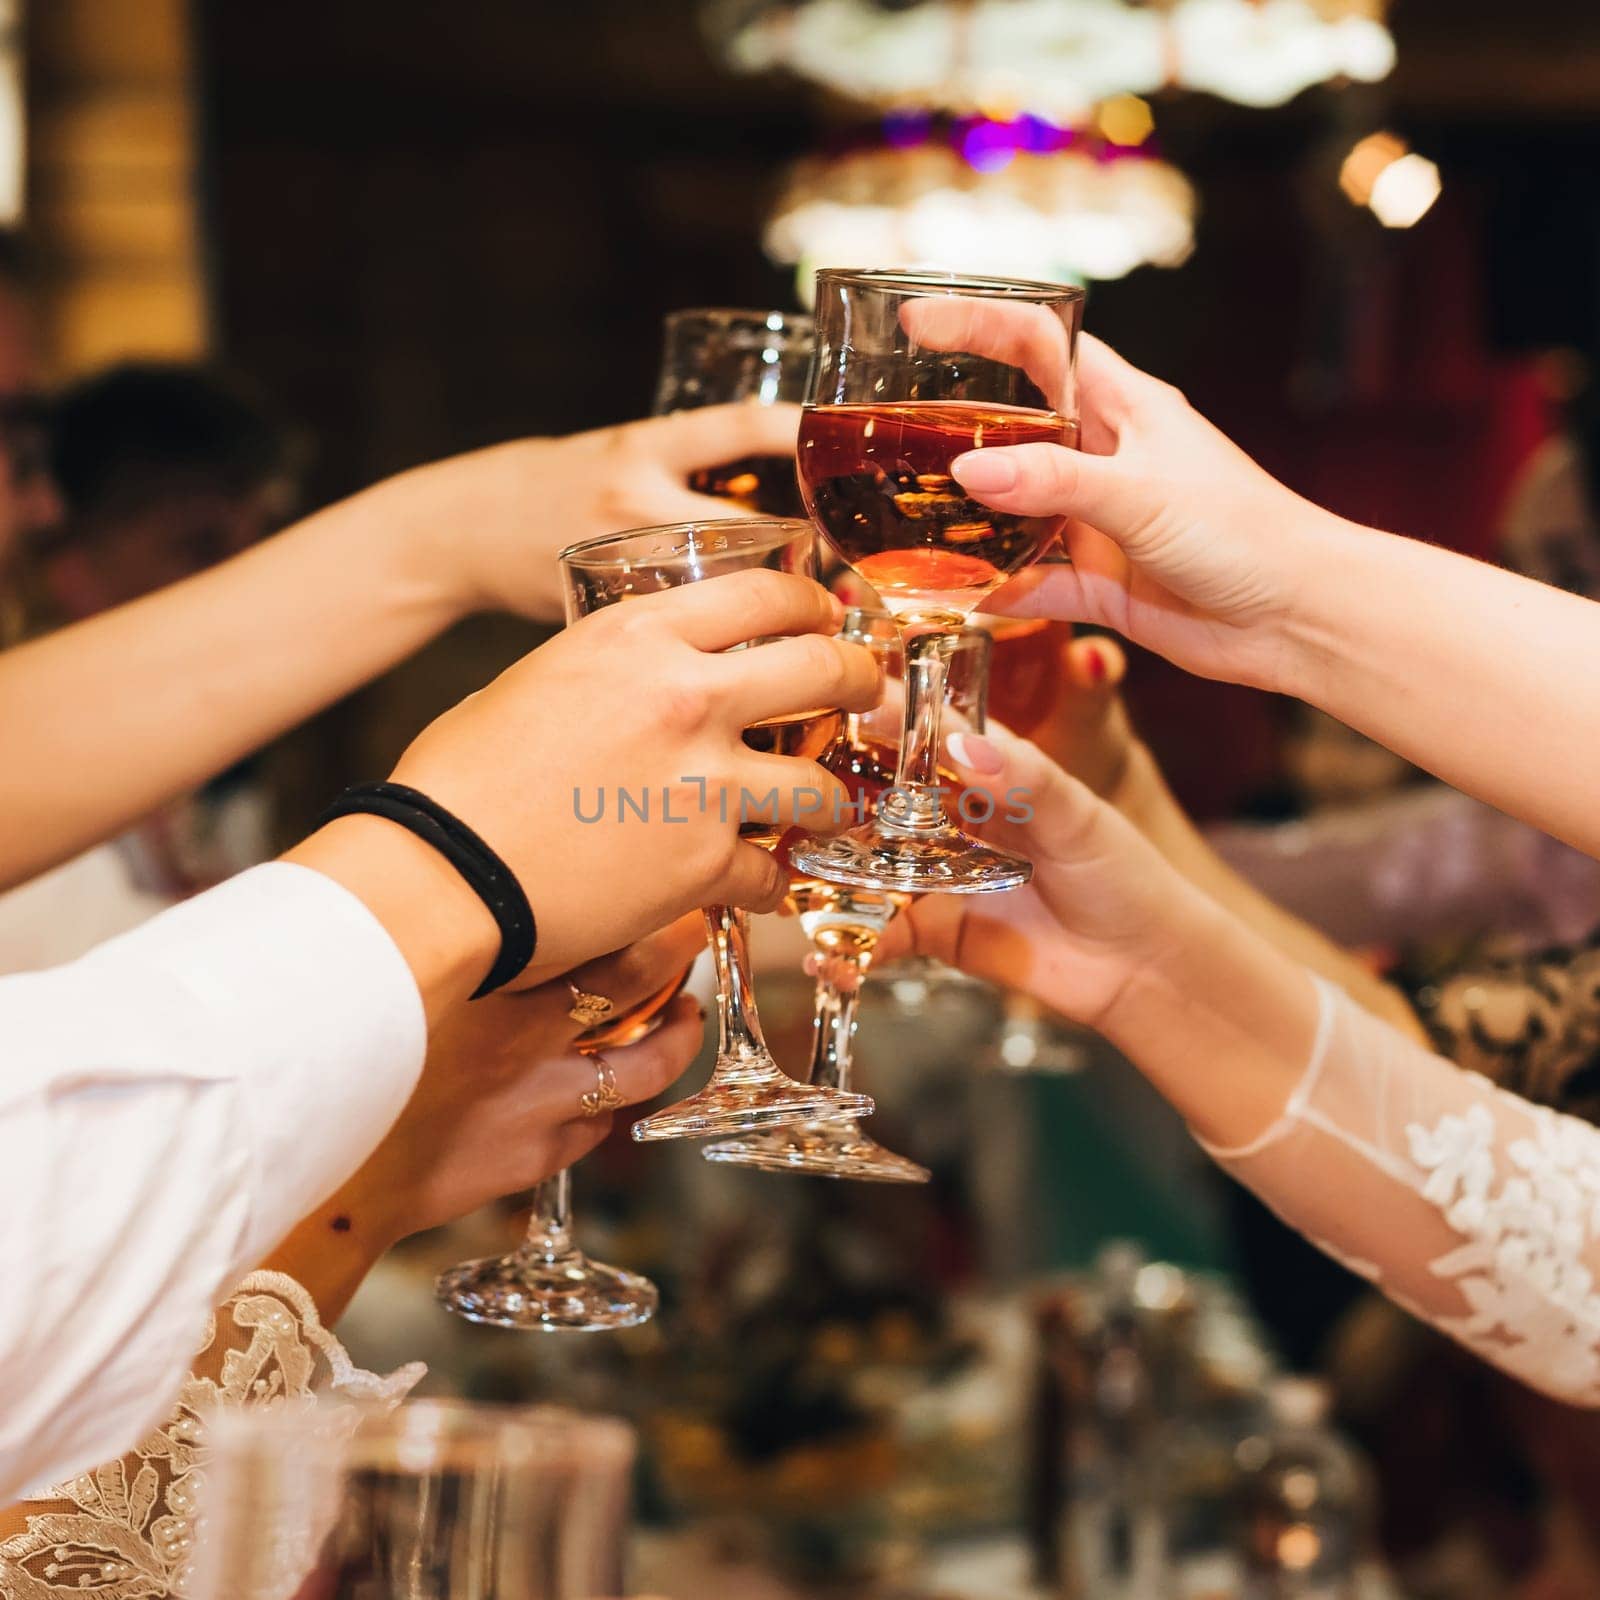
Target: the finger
pixel 789 676
pixel 629 977
pixel 736 607
pixel 641 1070
pixel 1034 798
pixel 1109 390
pixel 1095 666
pixel 754 881
pixel 1018 333
pixel 710 436
pixel 785 791
pixel 1051 480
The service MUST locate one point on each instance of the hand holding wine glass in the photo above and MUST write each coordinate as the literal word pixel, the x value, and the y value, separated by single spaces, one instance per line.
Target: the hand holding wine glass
pixel 913 370
pixel 1178 540
pixel 598 765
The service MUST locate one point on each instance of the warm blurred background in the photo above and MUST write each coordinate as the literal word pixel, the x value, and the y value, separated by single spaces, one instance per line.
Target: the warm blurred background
pixel 1364 238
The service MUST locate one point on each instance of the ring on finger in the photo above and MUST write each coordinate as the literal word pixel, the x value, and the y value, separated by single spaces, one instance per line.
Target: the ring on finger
pixel 588 1010
pixel 603 1097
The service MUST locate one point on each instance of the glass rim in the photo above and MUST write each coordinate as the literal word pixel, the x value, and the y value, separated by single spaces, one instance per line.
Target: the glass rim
pixel 941 282
pixel 583 552
pixel 429 1434
pixel 728 314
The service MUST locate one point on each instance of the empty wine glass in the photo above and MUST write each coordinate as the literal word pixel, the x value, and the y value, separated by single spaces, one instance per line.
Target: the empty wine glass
pixel 845 923
pixel 434 1500
pixel 912 370
pixel 748 1089
pixel 713 356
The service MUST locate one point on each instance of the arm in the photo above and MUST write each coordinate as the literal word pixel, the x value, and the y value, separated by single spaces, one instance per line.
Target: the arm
pixel 1092 735
pixel 1471 1207
pixel 1487 679
pixel 109 719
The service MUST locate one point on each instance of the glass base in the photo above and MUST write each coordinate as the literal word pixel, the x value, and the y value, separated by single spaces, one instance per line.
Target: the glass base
pixel 747 1098
pixel 943 860
pixel 568 1293
pixel 822 1149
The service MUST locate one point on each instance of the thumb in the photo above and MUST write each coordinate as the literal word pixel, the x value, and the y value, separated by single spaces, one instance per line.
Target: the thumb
pixel 1049 811
pixel 1050 480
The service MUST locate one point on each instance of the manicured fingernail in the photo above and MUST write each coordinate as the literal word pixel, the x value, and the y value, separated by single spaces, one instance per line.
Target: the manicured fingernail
pixel 975 753
pixel 984 472
pixel 1097 667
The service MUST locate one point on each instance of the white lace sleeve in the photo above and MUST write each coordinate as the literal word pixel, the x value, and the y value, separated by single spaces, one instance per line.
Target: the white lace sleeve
pixel 1477 1211
pixel 124 1531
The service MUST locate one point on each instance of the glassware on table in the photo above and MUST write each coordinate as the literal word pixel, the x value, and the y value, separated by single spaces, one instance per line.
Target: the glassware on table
pixel 434 1500
pixel 547 1284
pixel 748 1089
pixel 712 356
pixel 912 370
pixel 845 923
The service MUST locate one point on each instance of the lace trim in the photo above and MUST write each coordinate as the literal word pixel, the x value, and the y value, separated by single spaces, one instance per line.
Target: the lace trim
pixel 1521 1269
pixel 126 1531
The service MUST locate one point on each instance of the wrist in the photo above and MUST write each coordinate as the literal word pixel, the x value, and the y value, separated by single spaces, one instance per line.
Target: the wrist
pixel 445 933
pixel 1313 639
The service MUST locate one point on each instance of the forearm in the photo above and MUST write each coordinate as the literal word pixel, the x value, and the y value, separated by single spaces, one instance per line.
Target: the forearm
pixel 111 718
pixel 1489 680
pixel 1141 794
pixel 1219 1020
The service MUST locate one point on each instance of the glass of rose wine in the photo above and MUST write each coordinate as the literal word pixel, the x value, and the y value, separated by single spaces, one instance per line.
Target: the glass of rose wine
pixel 710 357
pixel 845 924
pixel 748 1089
pixel 547 1284
pixel 912 370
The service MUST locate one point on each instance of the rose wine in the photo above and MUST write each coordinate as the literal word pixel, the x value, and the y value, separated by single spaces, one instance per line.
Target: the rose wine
pixel 877 481
pixel 637 1022
pixel 803 734
pixel 766 485
pixel 1026 675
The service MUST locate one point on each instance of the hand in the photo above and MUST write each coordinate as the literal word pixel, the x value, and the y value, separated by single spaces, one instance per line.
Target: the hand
pixel 639 701
pixel 1193 551
pixel 1088 732
pixel 490 524
pixel 498 1109
pixel 1101 904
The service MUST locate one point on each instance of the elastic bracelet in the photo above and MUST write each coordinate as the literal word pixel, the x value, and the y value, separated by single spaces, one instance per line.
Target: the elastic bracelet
pixel 485 873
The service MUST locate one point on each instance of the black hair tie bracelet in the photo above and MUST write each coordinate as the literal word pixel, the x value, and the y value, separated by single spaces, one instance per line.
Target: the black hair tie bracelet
pixel 485 873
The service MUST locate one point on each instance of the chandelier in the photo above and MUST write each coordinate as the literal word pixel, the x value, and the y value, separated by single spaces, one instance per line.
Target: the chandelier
pixel 1024 197
pixel 1058 58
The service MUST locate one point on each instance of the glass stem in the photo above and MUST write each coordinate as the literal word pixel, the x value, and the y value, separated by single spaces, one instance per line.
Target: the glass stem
pixel 738 1026
pixel 915 805
pixel 550 1227
pixel 834 1020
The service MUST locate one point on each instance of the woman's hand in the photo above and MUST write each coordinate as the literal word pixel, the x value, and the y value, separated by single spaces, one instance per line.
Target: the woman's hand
pixel 498 1108
pixel 1100 900
pixel 609 770
pixel 488 526
pixel 1178 540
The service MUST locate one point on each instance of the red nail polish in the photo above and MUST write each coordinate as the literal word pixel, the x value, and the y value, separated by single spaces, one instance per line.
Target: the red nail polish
pixel 1097 667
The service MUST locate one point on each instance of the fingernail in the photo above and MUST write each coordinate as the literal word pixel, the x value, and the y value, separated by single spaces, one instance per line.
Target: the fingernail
pixel 974 752
pixel 1097 667
pixel 984 472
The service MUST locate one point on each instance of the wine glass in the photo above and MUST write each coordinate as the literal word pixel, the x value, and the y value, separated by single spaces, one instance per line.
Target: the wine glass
pixel 748 1089
pixel 912 370
pixel 711 357
pixel 547 1284
pixel 434 1500
pixel 845 924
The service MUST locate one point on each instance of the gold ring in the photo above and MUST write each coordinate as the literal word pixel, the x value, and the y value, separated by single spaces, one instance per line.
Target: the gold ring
pixel 603 1097
pixel 588 1010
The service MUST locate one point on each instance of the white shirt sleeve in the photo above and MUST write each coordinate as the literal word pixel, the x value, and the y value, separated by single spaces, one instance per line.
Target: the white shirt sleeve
pixel 170 1105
